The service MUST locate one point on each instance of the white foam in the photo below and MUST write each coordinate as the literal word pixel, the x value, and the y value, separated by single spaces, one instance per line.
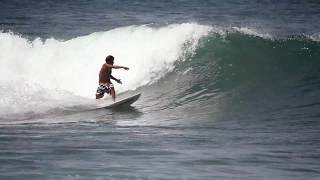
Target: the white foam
pixel 315 37
pixel 252 32
pixel 72 66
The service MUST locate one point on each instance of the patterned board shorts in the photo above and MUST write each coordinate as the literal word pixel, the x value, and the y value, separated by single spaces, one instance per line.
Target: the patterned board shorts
pixel 104 88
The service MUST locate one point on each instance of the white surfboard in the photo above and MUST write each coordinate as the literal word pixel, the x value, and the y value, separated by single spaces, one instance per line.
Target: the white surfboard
pixel 121 103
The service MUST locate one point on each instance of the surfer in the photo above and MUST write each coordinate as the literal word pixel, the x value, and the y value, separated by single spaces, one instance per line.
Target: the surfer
pixel 105 84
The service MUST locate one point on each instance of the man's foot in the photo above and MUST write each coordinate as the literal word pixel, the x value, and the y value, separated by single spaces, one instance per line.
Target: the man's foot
pixel 98 96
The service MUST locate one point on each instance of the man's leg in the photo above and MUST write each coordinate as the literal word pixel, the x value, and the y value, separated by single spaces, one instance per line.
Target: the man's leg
pixel 113 93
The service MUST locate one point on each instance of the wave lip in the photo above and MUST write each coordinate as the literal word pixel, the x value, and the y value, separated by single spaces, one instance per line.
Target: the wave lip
pixel 252 32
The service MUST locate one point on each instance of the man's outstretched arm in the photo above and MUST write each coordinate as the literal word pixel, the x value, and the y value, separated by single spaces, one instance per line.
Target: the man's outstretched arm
pixel 117 67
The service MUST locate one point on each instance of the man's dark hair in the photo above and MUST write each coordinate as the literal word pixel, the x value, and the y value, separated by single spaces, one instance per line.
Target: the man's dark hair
pixel 109 59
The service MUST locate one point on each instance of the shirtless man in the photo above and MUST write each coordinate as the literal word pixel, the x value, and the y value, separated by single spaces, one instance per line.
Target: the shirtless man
pixel 105 84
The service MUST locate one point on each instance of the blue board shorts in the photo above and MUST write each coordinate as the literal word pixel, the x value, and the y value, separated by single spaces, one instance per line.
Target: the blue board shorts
pixel 104 88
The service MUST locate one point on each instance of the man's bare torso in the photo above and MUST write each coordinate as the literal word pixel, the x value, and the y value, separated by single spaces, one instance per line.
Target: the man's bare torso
pixel 105 74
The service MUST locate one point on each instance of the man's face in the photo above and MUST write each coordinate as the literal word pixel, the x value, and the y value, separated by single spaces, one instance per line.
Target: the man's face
pixel 110 62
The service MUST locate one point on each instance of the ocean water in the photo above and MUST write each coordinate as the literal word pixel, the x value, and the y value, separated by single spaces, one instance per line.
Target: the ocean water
pixel 230 89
